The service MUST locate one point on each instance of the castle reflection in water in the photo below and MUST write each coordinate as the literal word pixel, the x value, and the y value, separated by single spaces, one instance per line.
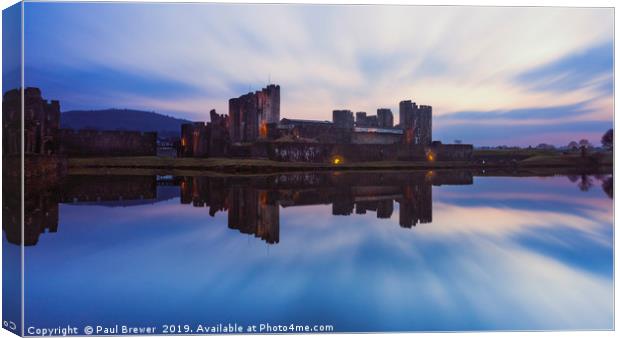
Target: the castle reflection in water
pixel 252 202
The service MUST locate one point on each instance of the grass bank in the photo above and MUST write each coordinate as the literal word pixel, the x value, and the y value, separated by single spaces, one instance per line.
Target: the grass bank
pixel 235 165
pixel 245 165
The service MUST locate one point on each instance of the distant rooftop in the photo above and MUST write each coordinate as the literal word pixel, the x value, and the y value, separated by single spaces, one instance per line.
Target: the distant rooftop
pixel 300 121
pixel 379 130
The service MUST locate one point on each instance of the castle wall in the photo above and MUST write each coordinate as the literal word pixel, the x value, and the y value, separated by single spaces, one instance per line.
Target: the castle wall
pixel 350 152
pixel 194 140
pixel 41 123
pixel 417 123
pixel 107 143
pixel 385 118
pixel 218 137
pixel 343 119
pixel 453 152
pixel 250 114
pixel 325 152
pixel 375 138
pixel 321 132
pixel 205 140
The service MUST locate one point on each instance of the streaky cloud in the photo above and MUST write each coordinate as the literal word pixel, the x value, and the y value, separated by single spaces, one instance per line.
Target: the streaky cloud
pixel 557 112
pixel 572 71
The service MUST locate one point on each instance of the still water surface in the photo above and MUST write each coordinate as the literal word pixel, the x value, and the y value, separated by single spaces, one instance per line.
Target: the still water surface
pixel 361 252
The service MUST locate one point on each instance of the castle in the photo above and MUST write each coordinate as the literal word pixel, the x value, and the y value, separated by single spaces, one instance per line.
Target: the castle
pixel 253 128
pixel 41 123
pixel 45 140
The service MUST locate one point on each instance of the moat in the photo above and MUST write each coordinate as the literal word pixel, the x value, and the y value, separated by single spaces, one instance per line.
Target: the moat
pixel 377 251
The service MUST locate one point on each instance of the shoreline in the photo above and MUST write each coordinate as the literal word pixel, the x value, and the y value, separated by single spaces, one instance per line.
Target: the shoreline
pixel 233 166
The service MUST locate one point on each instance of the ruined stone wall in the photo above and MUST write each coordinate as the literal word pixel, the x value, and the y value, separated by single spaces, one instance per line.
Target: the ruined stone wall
pixel 375 138
pixel 88 143
pixel 343 119
pixel 350 152
pixel 269 104
pixel 205 140
pixel 424 125
pixel 11 123
pixel 41 122
pixel 246 150
pixel 323 133
pixel 218 136
pixel 298 152
pixel 235 120
pixel 194 138
pixel 410 152
pixel 325 152
pixel 366 152
pixel 250 114
pixel 243 112
pixel 453 152
pixel 417 122
pixel 385 118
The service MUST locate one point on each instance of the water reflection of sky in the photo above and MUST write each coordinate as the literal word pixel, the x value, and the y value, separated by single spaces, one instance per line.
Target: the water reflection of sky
pixel 504 253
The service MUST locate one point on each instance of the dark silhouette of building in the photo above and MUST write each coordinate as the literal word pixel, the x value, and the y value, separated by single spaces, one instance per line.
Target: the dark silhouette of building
pixel 368 121
pixel 199 139
pixel 416 123
pixel 41 122
pixel 255 132
pixel 193 140
pixel 87 143
pixel 313 131
pixel 250 114
pixel 343 119
pixel 385 118
pixel 43 136
pixel 360 119
pixel 219 138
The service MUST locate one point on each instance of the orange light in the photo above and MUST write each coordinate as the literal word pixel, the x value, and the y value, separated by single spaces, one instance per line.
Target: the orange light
pixel 430 156
pixel 336 160
pixel 263 130
pixel 429 175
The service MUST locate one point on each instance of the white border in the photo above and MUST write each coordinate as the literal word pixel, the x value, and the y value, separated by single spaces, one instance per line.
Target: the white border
pixel 509 3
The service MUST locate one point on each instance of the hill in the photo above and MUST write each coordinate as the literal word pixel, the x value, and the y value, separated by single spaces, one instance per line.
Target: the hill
pixel 122 119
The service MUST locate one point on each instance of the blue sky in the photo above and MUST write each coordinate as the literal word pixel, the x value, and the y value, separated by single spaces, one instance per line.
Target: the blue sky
pixel 493 75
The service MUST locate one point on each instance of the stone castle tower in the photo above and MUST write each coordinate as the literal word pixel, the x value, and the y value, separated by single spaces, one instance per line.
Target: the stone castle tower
pixel 251 113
